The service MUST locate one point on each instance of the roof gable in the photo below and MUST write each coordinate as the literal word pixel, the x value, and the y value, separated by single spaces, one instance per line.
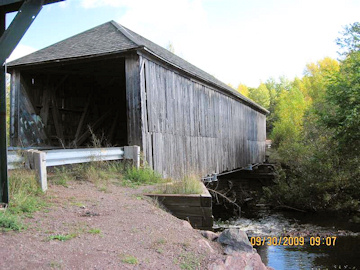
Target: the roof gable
pixel 103 39
pixel 112 38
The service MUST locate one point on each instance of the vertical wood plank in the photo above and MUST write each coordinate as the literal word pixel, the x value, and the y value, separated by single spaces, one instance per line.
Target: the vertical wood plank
pixel 133 100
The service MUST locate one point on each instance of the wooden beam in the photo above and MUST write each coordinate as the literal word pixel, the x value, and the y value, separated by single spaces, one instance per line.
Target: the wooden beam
pixel 133 100
pixel 113 126
pixel 87 133
pixel 56 118
pixel 83 118
pixel 44 112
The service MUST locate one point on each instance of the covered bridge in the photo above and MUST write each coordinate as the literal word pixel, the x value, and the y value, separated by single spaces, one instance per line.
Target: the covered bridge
pixel 114 84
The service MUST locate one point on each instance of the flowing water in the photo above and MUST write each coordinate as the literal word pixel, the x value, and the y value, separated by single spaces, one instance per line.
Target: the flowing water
pixel 324 252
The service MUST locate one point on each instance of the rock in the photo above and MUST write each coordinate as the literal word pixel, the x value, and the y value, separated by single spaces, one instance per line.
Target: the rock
pixel 203 244
pixel 186 224
pixel 239 261
pixel 209 235
pixel 235 240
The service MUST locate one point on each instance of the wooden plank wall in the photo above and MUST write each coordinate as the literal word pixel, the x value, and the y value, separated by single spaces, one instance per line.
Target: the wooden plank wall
pixel 133 100
pixel 188 127
pixel 26 127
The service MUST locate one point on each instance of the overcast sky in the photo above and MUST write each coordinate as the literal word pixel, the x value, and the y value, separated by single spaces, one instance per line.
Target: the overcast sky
pixel 237 41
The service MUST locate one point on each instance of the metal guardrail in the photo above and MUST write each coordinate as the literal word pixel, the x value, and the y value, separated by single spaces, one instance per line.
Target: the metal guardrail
pixel 40 160
pixel 15 160
pixel 72 156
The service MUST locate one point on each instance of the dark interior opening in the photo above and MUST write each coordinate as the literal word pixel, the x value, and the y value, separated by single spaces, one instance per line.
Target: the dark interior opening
pixel 80 104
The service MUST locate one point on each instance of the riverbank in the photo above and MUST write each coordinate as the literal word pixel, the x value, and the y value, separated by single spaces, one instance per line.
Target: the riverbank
pixel 87 227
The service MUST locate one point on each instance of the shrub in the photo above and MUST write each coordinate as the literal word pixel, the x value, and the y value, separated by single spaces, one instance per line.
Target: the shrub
pixel 10 222
pixel 142 176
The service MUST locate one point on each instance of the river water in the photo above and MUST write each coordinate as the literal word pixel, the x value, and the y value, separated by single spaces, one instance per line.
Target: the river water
pixel 340 253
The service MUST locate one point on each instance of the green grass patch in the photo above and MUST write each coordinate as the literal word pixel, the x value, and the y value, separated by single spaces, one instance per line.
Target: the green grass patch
pixel 187 185
pixel 62 237
pixel 94 231
pixel 189 261
pixel 10 222
pixel 100 173
pixel 25 198
pixel 129 259
pixel 142 176
pixel 25 193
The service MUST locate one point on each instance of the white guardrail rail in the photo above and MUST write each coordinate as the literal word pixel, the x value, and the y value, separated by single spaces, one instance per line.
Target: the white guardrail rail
pixel 40 160
pixel 15 160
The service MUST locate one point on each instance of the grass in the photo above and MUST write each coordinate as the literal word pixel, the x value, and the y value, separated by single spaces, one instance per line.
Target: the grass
pixel 104 172
pixel 25 198
pixel 10 222
pixel 25 193
pixel 94 231
pixel 187 185
pixel 62 237
pixel 129 259
pixel 189 261
pixel 144 176
pixel 55 264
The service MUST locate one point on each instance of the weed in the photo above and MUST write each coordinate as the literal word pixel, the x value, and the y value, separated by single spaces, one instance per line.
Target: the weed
pixel 94 231
pixel 142 176
pixel 159 250
pixel 129 259
pixel 187 185
pixel 104 189
pixel 61 176
pixel 189 261
pixel 54 264
pixel 62 237
pixel 24 192
pixel 160 241
pixel 9 222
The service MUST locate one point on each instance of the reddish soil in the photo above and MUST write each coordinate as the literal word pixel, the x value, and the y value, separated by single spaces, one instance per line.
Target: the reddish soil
pixel 109 227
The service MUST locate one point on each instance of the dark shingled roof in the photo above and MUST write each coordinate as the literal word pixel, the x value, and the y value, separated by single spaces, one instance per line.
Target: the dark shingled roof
pixel 112 38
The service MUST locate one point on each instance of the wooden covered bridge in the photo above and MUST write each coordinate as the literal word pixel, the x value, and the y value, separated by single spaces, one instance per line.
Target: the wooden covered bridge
pixel 126 90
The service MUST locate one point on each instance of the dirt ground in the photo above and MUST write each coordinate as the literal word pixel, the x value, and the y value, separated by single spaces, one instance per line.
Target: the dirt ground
pixel 113 228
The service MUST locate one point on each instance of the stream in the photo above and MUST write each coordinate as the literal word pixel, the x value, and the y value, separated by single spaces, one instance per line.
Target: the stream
pixel 336 246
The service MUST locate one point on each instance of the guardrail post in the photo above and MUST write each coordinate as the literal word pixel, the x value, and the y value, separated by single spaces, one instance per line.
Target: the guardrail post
pixel 133 153
pixel 39 159
pixel 29 159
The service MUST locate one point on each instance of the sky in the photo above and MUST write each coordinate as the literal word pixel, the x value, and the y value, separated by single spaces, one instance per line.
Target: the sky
pixel 237 41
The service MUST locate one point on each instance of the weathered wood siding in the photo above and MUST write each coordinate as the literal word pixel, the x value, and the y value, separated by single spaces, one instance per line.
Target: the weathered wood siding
pixel 188 126
pixel 26 127
pixel 133 100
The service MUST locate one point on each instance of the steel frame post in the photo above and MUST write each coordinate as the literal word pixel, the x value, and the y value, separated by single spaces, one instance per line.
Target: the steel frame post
pixel 4 187
pixel 9 39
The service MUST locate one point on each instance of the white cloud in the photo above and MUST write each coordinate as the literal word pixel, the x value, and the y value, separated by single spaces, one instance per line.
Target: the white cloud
pixel 20 51
pixel 234 40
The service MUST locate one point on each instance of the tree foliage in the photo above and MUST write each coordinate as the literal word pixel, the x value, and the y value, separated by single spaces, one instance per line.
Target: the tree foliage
pixel 316 130
pixel 343 95
pixel 260 95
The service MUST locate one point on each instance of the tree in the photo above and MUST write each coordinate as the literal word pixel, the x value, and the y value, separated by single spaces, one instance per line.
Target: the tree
pixel 290 110
pixel 350 40
pixel 316 77
pixel 243 89
pixel 343 95
pixel 260 95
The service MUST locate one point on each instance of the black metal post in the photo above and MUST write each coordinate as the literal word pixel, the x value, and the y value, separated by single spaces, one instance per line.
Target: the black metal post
pixel 4 184
pixel 9 38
